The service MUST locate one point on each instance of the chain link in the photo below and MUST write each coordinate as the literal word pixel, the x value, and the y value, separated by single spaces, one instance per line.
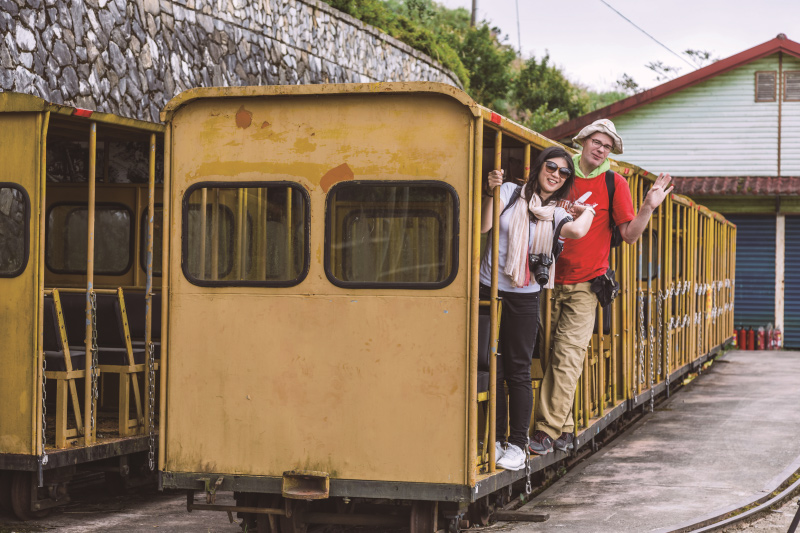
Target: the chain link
pixel 652 375
pixel 151 369
pixel 641 338
pixel 661 300
pixel 94 371
pixel 528 487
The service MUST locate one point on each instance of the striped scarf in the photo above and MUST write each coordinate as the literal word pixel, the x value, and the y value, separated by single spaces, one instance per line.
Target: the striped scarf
pixel 519 236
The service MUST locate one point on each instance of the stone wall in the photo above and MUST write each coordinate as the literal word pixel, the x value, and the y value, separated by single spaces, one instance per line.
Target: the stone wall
pixel 129 57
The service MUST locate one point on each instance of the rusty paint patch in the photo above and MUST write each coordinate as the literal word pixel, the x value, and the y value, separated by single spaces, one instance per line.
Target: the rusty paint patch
pixel 265 124
pixel 243 118
pixel 335 175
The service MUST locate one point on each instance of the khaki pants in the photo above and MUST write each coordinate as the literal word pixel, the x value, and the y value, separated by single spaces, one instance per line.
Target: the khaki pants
pixel 574 309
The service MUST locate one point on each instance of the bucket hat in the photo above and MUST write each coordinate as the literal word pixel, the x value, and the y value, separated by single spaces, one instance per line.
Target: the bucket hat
pixel 603 126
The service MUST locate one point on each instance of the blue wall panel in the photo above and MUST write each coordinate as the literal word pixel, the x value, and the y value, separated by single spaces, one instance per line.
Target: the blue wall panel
pixel 755 270
pixel 791 305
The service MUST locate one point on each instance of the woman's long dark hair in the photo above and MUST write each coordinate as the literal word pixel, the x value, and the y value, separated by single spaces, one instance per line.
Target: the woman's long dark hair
pixel 533 179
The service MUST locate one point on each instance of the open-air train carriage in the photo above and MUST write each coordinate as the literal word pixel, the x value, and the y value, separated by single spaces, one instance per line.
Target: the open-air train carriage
pixel 78 317
pixel 326 345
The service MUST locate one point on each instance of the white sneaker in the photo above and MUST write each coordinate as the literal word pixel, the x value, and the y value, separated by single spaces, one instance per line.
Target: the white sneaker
pixel 513 459
pixel 499 451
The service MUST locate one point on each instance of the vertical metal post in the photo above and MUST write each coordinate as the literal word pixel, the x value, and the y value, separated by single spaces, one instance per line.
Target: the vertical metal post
pixel 494 333
pixel 475 265
pixel 38 428
pixel 240 222
pixel 148 285
pixel 203 232
pixel 215 223
pixel 88 395
pixel 166 225
pixel 289 234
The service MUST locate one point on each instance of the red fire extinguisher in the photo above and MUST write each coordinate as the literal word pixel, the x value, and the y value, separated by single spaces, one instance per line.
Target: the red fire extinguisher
pixel 751 338
pixel 761 338
pixel 741 340
pixel 778 339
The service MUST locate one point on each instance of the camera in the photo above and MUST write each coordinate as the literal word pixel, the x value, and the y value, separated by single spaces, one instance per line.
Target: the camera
pixel 539 265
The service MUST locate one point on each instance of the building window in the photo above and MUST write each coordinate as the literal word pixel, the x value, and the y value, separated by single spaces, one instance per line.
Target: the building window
pixel 14 230
pixel 65 250
pixel 765 86
pixel 791 91
pixel 245 234
pixel 391 235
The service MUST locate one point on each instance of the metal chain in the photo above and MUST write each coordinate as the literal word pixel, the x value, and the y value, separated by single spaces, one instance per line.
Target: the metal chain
pixel 661 299
pixel 151 369
pixel 44 458
pixel 641 338
pixel 528 487
pixel 94 371
pixel 652 375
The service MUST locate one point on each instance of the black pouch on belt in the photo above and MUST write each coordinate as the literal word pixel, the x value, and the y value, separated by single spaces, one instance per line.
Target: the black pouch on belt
pixel 605 287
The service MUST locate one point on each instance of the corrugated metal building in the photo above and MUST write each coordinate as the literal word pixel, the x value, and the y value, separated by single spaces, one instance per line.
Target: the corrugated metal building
pixel 730 134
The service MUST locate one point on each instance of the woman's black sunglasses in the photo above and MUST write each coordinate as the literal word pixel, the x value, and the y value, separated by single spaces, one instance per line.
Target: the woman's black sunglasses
pixel 563 172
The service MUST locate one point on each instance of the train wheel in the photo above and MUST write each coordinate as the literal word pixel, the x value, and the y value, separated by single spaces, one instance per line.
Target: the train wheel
pixel 294 523
pixel 480 511
pixel 5 492
pixel 22 497
pixel 423 517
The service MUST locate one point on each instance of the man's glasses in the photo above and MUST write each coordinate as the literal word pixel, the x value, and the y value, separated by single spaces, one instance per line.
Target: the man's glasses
pixel 598 144
pixel 563 172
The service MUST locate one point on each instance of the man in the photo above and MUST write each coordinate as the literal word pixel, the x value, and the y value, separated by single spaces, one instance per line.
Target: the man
pixel 581 261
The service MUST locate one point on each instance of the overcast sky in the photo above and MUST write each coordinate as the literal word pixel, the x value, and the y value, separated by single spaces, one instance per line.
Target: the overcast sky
pixel 595 46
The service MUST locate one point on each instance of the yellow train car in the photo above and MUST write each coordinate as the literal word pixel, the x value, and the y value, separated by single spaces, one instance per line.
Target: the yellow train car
pixel 322 325
pixel 79 350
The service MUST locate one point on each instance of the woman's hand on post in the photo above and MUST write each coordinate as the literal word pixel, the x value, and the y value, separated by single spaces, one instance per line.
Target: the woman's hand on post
pixel 495 180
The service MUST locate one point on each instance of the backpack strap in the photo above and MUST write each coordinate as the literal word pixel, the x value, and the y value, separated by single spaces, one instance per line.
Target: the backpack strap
pixel 557 246
pixel 514 197
pixel 611 186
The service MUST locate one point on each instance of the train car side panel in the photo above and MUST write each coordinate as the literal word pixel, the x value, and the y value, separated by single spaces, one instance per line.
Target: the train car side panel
pixel 19 178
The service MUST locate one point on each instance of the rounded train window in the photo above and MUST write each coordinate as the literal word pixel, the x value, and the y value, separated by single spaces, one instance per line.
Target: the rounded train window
pixel 245 234
pixel 392 234
pixel 14 230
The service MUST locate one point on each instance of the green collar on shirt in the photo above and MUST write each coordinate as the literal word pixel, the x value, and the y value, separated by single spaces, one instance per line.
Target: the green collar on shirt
pixel 605 165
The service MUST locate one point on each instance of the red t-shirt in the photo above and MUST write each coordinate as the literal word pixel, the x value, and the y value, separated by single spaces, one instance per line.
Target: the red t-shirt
pixel 586 258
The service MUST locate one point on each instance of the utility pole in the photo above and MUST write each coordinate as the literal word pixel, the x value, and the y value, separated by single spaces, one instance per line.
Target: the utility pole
pixel 474 13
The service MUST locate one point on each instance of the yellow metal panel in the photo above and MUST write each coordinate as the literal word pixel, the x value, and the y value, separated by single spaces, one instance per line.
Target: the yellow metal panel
pixel 18 137
pixel 336 384
pixel 359 383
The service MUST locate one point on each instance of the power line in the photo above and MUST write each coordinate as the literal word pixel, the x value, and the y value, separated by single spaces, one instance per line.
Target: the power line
pixel 519 35
pixel 694 67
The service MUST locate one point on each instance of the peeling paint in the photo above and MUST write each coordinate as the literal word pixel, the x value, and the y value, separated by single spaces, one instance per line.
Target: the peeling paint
pixel 335 175
pixel 243 118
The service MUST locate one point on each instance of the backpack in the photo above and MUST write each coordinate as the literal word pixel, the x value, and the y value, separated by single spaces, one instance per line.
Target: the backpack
pixel 616 236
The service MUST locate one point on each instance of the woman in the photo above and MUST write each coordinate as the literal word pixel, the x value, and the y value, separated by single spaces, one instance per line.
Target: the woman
pixel 526 227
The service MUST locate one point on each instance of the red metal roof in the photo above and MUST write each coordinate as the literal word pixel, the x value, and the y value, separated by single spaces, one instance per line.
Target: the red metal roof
pixel 737 185
pixel 778 44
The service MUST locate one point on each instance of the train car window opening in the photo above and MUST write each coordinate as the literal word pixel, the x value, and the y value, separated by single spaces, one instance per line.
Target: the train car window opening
pixel 158 238
pixel 66 242
pixel 765 86
pixel 256 234
pixel 14 229
pixel 128 161
pixel 391 235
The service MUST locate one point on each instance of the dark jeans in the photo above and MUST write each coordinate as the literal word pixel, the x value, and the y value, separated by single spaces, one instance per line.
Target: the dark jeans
pixel 519 325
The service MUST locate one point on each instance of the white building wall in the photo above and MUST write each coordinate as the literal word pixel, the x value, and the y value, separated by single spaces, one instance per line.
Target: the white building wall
pixel 714 128
pixel 790 128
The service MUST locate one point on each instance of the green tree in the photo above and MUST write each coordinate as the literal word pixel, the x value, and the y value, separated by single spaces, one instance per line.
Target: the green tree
pixel 543 95
pixel 489 65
